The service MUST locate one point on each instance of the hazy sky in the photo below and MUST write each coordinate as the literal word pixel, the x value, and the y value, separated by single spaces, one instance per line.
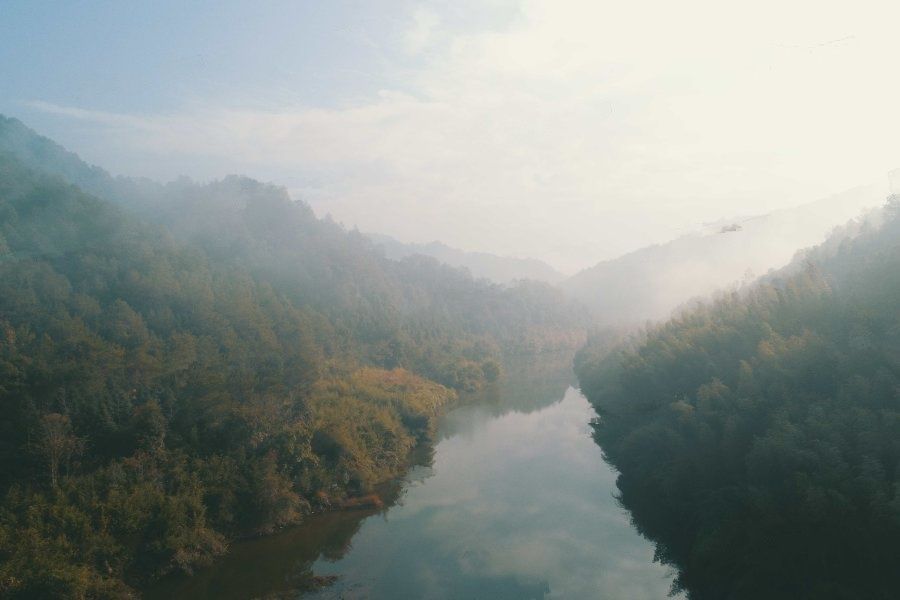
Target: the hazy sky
pixel 568 131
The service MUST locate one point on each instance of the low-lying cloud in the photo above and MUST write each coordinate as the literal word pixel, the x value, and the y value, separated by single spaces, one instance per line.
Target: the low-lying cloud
pixel 570 131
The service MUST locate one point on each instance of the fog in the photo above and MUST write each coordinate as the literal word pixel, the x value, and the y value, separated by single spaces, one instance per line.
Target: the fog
pixel 569 132
pixel 651 283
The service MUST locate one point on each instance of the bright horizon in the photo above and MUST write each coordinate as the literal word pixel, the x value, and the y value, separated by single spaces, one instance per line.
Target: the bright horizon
pixel 536 129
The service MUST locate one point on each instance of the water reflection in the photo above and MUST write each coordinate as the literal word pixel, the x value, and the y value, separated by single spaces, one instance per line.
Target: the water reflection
pixel 277 566
pixel 527 385
pixel 514 501
pixel 521 506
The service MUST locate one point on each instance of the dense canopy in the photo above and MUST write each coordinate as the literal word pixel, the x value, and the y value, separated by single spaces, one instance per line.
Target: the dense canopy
pixel 184 364
pixel 756 436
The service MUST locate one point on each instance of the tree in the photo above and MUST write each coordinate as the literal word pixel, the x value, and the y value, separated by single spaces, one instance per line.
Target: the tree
pixel 59 444
pixel 149 425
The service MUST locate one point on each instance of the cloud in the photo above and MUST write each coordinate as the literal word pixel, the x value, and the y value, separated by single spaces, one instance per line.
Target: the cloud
pixel 421 33
pixel 574 131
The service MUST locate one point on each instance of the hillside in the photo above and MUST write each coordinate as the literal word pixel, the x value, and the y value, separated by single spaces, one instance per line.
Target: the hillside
pixel 650 283
pixel 183 364
pixel 499 269
pixel 241 221
pixel 756 436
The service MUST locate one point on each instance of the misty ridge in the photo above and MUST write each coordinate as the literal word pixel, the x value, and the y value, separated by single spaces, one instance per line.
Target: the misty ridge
pixel 644 285
pixel 651 282
pixel 482 265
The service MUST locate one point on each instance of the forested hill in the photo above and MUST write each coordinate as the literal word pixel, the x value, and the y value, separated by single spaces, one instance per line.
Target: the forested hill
pixel 758 436
pixel 650 283
pixel 183 364
pixel 389 305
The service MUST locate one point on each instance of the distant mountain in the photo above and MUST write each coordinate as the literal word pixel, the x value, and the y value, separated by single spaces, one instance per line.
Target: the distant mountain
pixel 650 283
pixel 239 221
pixel 500 269
pixel 46 156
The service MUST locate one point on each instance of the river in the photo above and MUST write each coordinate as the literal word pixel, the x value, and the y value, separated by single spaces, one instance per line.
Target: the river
pixel 513 500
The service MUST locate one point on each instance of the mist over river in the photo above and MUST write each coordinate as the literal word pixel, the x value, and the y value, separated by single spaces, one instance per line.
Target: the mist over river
pixel 513 500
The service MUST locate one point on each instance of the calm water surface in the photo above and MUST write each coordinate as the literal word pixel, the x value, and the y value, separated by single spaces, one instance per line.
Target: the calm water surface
pixel 513 501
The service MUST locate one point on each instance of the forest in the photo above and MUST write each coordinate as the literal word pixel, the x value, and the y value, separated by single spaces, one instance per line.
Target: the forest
pixel 187 364
pixel 756 435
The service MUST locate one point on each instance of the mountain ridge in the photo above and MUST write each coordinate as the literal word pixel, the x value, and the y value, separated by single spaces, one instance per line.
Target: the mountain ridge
pixel 650 282
pixel 501 269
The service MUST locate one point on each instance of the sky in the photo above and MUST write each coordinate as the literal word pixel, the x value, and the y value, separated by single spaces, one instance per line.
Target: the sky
pixel 569 131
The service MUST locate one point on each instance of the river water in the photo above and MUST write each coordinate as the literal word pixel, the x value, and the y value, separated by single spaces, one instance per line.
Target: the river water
pixel 512 501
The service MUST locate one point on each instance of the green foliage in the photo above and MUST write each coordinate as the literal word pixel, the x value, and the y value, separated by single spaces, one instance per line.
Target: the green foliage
pixel 491 369
pixel 206 362
pixel 757 437
pixel 364 425
pixel 416 313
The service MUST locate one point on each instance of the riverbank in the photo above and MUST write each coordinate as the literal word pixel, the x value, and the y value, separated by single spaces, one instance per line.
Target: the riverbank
pixel 512 500
pixel 334 515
